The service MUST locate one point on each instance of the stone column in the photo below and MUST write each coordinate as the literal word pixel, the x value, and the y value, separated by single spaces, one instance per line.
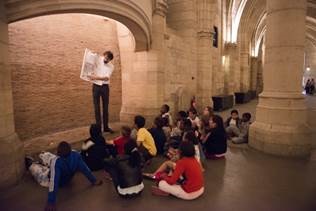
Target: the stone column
pixel 11 149
pixel 260 77
pixel 253 73
pixel 281 116
pixel 145 79
pixel 204 54
pixel 231 68
pixel 244 72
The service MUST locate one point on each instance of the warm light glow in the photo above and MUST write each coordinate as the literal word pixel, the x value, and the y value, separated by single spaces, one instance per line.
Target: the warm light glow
pixel 308 69
pixel 236 21
pixel 223 60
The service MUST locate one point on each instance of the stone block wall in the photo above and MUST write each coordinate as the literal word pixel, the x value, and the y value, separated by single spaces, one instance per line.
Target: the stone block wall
pixel 177 75
pixel 45 59
pixel 218 71
pixel 181 51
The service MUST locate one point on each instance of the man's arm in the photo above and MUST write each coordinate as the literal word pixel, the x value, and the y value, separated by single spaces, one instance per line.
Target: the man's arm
pixel 93 77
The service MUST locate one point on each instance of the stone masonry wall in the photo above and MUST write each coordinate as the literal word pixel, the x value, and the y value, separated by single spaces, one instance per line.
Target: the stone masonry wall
pixel 181 51
pixel 218 73
pixel 45 58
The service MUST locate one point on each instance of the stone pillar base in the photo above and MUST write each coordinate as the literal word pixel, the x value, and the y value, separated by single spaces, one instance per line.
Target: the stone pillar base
pixel 127 115
pixel 12 160
pixel 311 120
pixel 280 140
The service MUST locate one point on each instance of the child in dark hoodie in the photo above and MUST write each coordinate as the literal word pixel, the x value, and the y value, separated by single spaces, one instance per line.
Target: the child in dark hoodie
pixel 95 149
pixel 126 171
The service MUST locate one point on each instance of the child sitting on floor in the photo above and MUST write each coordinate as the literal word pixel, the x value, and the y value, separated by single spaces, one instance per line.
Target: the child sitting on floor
pixel 240 135
pixel 194 118
pixel 215 142
pixel 164 111
pixel 120 141
pixel 62 168
pixel 94 149
pixel 185 126
pixel 125 171
pixel 192 185
pixel 144 139
pixel 233 119
pixel 168 166
pixel 158 134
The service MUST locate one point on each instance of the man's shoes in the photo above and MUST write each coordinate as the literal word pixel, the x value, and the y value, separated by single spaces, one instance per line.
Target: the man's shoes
pixel 108 130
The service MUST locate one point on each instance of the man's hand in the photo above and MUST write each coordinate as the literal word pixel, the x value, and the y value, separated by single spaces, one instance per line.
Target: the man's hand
pixel 98 183
pixel 50 207
pixel 92 77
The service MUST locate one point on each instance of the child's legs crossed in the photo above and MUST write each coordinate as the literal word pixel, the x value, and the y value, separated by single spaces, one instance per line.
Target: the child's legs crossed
pixel 238 140
pixel 232 130
pixel 177 191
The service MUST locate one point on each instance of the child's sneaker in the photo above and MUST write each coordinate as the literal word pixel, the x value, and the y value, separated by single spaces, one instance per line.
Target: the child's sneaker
pixel 149 176
pixel 156 191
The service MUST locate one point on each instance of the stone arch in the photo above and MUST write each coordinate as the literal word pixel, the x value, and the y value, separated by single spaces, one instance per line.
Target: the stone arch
pixel 135 15
pixel 258 35
pixel 237 19
pixel 43 41
pixel 250 19
pixel 252 23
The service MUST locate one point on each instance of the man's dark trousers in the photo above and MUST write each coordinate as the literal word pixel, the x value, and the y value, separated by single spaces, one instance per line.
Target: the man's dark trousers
pixel 103 92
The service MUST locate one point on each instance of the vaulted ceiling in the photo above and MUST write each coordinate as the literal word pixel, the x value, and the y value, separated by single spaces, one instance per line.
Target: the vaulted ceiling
pixel 248 24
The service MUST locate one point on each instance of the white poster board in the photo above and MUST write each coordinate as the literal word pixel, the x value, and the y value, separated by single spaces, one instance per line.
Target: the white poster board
pixel 89 65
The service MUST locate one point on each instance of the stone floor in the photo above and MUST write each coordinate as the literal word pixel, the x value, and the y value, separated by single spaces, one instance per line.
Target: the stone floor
pixel 245 180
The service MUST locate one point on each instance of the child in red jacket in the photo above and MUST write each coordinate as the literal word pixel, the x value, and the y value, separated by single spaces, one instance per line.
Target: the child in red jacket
pixel 193 184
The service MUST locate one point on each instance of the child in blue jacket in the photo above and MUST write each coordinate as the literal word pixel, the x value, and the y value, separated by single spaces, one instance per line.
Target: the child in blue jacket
pixel 63 168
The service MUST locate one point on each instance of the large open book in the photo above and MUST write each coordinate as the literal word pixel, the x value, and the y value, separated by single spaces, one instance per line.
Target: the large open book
pixel 89 65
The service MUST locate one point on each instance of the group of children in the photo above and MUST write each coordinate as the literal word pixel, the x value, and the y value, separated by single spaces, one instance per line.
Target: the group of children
pixel 185 142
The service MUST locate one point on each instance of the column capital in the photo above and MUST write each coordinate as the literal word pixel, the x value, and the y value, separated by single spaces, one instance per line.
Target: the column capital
pixel 205 34
pixel 160 8
pixel 230 45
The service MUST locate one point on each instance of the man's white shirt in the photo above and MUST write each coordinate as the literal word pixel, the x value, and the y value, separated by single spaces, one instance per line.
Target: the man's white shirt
pixel 103 70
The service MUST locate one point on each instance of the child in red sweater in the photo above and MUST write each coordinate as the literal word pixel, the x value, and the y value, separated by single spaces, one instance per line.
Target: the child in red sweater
pixel 120 141
pixel 193 185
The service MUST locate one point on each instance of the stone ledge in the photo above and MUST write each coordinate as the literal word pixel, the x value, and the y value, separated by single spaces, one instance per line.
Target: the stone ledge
pixel 74 136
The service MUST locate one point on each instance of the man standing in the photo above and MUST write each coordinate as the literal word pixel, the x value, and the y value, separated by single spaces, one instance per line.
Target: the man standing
pixel 101 81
